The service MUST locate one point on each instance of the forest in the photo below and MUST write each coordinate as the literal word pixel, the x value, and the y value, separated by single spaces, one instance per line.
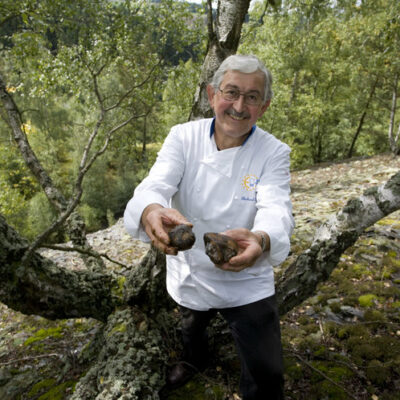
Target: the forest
pixel 88 92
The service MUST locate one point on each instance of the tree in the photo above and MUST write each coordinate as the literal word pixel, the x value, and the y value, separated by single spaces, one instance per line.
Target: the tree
pixel 103 62
pixel 394 138
pixel 130 350
pixel 322 54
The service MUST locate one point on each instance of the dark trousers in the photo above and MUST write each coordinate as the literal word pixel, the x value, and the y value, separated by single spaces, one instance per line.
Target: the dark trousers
pixel 256 331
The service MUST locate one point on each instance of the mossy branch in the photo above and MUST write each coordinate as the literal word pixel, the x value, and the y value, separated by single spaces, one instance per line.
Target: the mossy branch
pixel 299 281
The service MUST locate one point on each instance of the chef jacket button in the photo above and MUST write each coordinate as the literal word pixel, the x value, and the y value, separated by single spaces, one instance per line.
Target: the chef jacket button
pixel 194 219
pixel 228 226
pixel 236 197
pixel 198 189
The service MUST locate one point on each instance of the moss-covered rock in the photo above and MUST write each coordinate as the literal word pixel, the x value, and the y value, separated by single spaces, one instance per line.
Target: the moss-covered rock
pixel 41 386
pixel 41 334
pixel 367 300
pixel 198 389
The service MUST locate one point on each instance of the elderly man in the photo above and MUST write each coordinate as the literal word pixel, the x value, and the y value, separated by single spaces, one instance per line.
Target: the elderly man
pixel 224 174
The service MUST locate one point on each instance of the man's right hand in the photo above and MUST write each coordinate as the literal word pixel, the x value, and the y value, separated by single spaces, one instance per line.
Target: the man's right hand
pixel 157 221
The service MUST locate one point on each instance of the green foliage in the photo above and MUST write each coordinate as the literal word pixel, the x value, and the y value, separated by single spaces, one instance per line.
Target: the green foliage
pixel 80 68
pixel 331 62
pixel 377 372
pixel 179 93
pixel 197 390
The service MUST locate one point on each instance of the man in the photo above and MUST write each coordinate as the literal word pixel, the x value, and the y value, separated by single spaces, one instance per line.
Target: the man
pixel 224 175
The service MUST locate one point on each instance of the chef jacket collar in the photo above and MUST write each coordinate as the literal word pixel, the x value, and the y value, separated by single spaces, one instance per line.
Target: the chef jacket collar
pixel 212 130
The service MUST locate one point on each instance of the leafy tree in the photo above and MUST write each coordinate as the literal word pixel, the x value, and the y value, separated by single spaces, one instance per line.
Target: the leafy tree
pixel 331 62
pixel 79 68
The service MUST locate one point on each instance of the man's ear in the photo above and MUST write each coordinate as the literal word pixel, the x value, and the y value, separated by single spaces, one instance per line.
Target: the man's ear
pixel 264 108
pixel 211 94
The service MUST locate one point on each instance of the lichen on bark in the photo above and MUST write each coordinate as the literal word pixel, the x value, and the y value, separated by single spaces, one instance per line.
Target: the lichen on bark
pixel 130 363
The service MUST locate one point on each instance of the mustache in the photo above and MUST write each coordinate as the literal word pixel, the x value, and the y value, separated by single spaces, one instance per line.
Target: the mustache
pixel 236 114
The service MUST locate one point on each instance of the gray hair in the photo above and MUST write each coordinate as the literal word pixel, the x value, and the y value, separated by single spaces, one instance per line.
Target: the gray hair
pixel 246 64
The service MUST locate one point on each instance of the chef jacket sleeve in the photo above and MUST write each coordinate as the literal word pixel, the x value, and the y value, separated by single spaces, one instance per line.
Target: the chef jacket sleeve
pixel 274 208
pixel 160 184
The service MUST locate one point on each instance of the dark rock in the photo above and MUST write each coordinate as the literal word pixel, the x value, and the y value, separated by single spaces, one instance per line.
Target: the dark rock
pixel 220 248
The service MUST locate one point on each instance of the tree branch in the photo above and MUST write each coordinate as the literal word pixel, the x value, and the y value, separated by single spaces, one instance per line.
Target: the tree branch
pixel 300 279
pixel 15 120
pixel 81 250
pixel 40 287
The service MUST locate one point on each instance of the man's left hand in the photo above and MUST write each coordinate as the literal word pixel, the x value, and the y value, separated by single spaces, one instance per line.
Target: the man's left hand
pixel 249 249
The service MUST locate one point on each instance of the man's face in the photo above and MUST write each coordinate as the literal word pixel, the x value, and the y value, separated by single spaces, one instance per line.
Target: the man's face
pixel 235 119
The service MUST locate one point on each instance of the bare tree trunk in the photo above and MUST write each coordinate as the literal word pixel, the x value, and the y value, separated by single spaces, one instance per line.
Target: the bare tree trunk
pixel 41 287
pixel 223 40
pixel 14 117
pixel 393 141
pixel 361 122
pixel 130 365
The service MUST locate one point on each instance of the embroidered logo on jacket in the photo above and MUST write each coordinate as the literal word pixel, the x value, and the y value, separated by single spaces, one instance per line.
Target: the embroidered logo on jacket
pixel 249 183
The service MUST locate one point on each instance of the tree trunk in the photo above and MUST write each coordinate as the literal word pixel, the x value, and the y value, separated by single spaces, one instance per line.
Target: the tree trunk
pixel 130 352
pixel 223 40
pixel 393 141
pixel 131 359
pixel 14 117
pixel 40 287
pixel 361 123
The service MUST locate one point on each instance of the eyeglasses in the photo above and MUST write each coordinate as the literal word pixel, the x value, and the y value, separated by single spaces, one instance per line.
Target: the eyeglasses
pixel 250 98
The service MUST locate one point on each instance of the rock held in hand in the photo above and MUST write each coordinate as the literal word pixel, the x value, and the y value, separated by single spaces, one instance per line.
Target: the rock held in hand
pixel 181 237
pixel 220 248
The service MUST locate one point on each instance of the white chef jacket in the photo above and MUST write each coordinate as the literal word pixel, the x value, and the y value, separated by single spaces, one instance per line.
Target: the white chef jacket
pixel 245 186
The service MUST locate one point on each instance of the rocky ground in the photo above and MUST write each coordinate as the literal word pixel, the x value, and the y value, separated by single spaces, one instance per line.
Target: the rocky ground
pixel 343 343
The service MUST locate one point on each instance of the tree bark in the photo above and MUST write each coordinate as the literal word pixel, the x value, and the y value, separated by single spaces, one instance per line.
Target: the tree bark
pixel 130 352
pixel 393 141
pixel 223 41
pixel 41 287
pixel 38 286
pixel 131 359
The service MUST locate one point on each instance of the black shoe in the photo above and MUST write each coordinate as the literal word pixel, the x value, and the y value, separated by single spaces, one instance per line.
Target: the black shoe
pixel 180 373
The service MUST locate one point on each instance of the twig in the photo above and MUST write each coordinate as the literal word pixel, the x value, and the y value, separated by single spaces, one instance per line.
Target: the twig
pixel 52 228
pixel 82 251
pixel 29 358
pixel 322 374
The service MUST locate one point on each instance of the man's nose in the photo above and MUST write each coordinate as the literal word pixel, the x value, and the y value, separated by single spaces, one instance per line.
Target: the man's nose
pixel 239 104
